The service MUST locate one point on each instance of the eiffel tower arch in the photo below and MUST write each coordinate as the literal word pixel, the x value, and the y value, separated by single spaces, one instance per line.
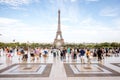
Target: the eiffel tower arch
pixel 58 42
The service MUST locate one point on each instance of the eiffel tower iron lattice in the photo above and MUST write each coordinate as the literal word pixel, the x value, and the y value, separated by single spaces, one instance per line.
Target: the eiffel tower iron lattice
pixel 58 42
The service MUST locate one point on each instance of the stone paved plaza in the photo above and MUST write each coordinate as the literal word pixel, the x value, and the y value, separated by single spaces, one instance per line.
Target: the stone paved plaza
pixel 50 68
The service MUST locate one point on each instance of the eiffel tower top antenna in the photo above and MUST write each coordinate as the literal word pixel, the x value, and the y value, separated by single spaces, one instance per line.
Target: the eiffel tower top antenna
pixel 59 25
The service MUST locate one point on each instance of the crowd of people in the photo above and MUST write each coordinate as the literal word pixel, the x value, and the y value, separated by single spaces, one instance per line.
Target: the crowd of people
pixel 73 53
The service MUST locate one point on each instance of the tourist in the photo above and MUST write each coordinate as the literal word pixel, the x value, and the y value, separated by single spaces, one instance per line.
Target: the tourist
pixel 103 53
pixel 117 52
pixel 75 54
pixel 81 55
pixel 68 51
pixel 25 55
pixel 72 53
pixel 6 50
pixel 54 51
pixel 10 52
pixel 45 52
pixel 64 51
pixel 99 53
pixel 94 52
pixel 40 52
pixel 88 54
pixel 106 51
pixel 61 54
pixel 32 54
pixel 37 53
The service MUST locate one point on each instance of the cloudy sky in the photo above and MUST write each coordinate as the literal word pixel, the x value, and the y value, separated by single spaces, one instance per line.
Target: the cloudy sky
pixel 81 20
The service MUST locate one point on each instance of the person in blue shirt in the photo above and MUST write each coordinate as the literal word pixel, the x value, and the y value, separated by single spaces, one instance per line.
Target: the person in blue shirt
pixel 82 55
pixel 68 52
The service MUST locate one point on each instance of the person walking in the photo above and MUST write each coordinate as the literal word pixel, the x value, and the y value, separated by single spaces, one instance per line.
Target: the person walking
pixel 68 52
pixel 99 53
pixel 81 55
pixel 88 54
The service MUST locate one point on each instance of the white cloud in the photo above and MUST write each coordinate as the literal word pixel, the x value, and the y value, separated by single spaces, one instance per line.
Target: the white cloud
pixel 15 29
pixel 18 8
pixel 7 21
pixel 88 21
pixel 109 11
pixel 10 22
pixel 92 35
pixel 15 2
pixel 116 23
pixel 28 33
pixel 90 30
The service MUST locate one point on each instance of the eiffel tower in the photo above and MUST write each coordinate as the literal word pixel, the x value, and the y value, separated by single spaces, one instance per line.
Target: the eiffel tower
pixel 58 42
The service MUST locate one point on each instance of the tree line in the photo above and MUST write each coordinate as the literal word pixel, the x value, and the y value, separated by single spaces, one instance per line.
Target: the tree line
pixel 72 45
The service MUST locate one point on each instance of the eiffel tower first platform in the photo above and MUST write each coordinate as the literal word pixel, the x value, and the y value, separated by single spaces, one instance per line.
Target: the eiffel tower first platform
pixel 58 41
